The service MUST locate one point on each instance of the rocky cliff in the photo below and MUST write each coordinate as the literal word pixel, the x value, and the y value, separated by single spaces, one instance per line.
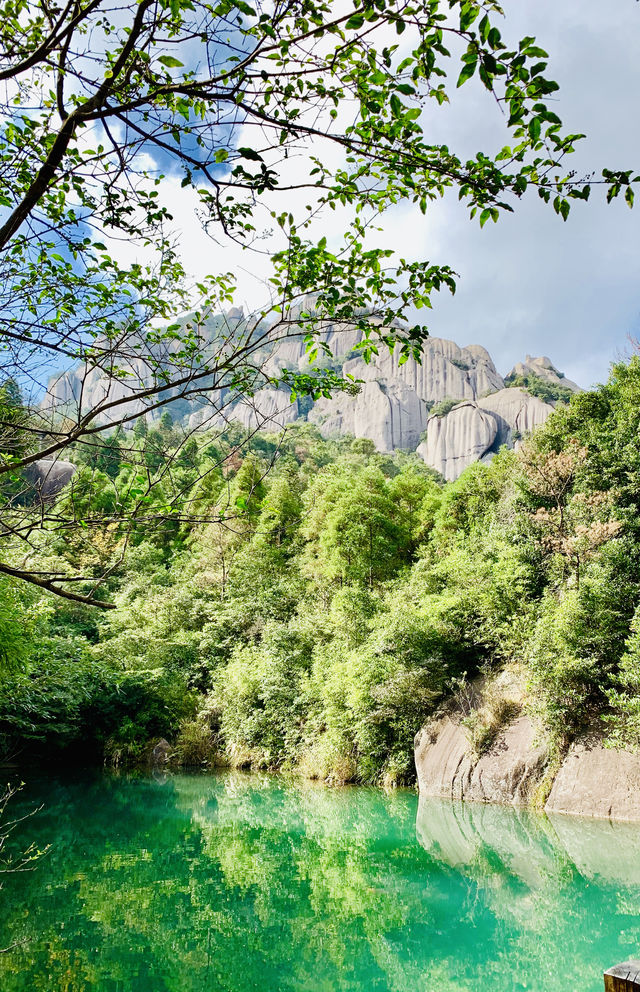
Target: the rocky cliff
pixel 453 407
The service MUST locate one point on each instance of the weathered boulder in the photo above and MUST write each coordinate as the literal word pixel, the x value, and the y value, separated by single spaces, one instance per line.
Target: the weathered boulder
pixel 442 759
pixel 516 413
pixel 445 370
pixel 160 753
pixel 49 477
pixel 392 416
pixel 474 430
pixel 455 441
pixel 597 781
pixel 592 781
pixel 544 368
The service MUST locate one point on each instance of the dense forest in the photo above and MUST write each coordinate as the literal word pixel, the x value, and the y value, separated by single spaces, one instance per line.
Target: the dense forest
pixel 307 603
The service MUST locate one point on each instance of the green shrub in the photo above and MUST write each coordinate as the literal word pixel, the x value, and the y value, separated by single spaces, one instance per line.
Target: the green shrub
pixel 65 699
pixel 195 744
pixel 442 408
pixel 624 695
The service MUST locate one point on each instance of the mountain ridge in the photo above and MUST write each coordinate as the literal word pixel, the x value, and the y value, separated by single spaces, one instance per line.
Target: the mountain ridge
pixel 452 408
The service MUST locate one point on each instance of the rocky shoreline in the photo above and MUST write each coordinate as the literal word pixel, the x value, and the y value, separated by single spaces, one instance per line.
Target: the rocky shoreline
pixel 518 769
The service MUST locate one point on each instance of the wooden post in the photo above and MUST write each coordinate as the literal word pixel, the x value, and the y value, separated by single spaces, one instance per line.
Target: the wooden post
pixel 623 978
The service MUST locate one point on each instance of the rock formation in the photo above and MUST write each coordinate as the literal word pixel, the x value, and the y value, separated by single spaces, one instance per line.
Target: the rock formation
pixel 49 477
pixel 544 369
pixel 394 403
pixel 474 431
pixel 393 407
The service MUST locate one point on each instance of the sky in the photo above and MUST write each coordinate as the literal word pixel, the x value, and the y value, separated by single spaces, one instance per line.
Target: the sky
pixel 531 284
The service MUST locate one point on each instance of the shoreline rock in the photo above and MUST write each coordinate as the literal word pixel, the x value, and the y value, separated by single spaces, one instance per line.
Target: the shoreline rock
pixel 592 781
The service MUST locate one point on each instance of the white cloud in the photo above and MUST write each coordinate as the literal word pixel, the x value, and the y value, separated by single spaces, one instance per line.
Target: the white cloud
pixel 531 283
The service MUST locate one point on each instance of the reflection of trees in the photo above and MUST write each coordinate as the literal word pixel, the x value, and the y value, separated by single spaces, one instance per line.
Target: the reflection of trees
pixel 237 883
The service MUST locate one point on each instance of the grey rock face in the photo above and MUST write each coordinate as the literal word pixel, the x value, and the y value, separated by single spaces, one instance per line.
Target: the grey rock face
pixel 392 406
pixel 516 413
pixel 544 368
pixel 391 409
pixel 507 773
pixel 392 416
pixel 457 440
pixel 160 753
pixel 597 781
pixel 593 781
pixel 472 431
pixel 49 477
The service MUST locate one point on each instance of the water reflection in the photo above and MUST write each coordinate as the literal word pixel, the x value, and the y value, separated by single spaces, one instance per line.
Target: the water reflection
pixel 530 846
pixel 242 882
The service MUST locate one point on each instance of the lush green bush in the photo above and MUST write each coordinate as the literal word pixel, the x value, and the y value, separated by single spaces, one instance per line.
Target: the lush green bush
pixel 64 699
pixel 548 392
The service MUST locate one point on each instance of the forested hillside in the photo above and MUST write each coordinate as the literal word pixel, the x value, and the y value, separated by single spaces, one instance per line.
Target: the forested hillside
pixel 307 603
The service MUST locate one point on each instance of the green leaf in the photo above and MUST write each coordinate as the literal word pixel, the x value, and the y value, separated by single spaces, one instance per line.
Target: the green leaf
pixel 249 153
pixel 396 106
pixel 468 14
pixel 534 129
pixel 171 62
pixel 467 72
pixel 355 21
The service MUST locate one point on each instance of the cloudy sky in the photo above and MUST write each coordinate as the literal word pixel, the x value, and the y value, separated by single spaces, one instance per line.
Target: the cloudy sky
pixel 531 284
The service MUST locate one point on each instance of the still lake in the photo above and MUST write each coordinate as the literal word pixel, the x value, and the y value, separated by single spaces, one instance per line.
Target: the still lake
pixel 233 882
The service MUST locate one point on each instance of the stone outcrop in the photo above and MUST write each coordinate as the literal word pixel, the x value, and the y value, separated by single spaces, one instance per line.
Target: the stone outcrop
pixel 543 368
pixel 507 773
pixel 392 408
pixel 453 442
pixel 474 431
pixel 592 780
pixel 597 781
pixel 49 477
pixel 160 753
pixel 391 415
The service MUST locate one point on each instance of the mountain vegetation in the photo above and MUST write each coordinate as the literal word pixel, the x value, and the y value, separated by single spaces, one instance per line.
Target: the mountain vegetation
pixel 313 601
pixel 548 392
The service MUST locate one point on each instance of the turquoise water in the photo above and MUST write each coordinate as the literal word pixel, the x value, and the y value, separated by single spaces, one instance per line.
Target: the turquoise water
pixel 233 883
